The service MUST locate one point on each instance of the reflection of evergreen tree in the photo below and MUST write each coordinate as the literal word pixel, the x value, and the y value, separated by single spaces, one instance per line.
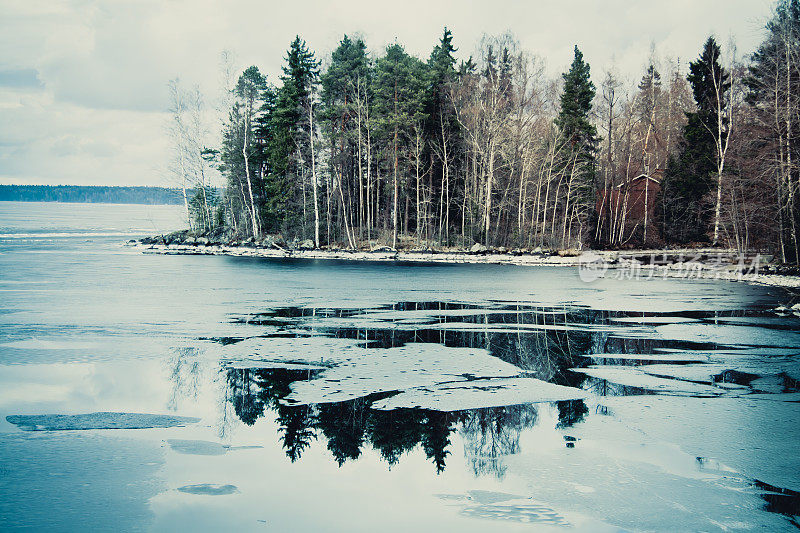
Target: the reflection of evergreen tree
pixel 570 412
pixel 395 432
pixel 546 344
pixel 247 403
pixel 297 426
pixel 250 390
pixel 436 437
pixel 343 425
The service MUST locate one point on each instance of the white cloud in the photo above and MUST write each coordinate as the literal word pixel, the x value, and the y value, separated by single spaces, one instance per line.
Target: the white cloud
pixel 97 115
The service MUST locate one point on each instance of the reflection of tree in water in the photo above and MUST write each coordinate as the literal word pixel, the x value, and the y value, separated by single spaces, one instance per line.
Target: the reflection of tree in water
pixel 435 439
pixel 184 373
pixel 297 427
pixel 245 395
pixel 494 432
pixel 489 434
pixel 394 433
pixel 543 341
pixel 570 412
pixel 347 426
pixel 343 424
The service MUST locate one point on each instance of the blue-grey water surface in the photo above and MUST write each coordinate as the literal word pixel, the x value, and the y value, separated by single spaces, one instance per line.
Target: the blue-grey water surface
pixel 288 395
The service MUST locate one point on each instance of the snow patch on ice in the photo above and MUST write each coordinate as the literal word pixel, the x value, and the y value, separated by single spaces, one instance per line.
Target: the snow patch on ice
pixel 397 369
pixel 480 393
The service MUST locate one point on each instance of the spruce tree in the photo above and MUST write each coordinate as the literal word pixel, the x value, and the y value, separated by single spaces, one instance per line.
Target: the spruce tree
pixel 683 209
pixel 441 127
pixel 400 81
pixel 288 146
pixel 576 104
pixel 577 130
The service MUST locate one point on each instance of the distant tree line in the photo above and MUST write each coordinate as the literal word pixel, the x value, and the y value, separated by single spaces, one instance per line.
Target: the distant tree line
pixel 90 194
pixel 403 151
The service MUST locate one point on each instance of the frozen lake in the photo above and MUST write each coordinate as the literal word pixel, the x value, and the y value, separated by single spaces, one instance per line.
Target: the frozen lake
pixel 156 392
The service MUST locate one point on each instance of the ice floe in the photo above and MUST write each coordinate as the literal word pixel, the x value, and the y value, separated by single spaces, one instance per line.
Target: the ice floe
pixel 631 376
pixel 203 447
pixel 398 369
pixel 729 334
pixel 251 363
pixel 208 489
pixel 314 350
pixel 704 373
pixel 689 357
pixel 480 393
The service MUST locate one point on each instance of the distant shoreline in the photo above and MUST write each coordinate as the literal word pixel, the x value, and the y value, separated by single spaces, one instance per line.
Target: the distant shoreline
pixel 593 264
pixel 92 194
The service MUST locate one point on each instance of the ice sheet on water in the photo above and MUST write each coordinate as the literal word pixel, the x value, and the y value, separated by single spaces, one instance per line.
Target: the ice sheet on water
pixel 698 372
pixel 793 397
pixel 729 334
pixel 755 437
pixel 688 357
pixel 203 447
pixel 775 321
pixel 522 510
pixel 480 393
pixel 208 489
pixel 314 350
pixel 653 319
pixel 251 363
pixel 398 369
pixel 103 420
pixel 631 376
pixel 197 447
pixel 662 487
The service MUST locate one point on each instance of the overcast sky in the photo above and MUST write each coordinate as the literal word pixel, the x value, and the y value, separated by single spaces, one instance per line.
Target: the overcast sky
pixel 83 83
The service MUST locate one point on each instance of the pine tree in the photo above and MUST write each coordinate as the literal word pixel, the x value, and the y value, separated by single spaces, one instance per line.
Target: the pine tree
pixel 346 108
pixel 683 209
pixel 649 93
pixel 440 133
pixel 288 146
pixel 576 104
pixel 400 81
pixel 580 135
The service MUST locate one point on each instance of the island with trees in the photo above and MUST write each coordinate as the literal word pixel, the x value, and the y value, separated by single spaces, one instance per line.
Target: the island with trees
pixel 395 152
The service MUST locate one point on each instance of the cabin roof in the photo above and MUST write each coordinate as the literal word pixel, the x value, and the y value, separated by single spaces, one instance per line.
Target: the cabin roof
pixel 639 177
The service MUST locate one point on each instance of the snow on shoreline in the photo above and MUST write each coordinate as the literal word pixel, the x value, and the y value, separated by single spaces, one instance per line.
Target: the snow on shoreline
pixel 595 264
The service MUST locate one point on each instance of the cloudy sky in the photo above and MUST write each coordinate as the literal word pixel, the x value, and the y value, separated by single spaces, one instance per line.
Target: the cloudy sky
pixel 83 83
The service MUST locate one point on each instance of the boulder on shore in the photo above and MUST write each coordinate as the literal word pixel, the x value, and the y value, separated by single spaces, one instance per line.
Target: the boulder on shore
pixel 384 249
pixel 478 248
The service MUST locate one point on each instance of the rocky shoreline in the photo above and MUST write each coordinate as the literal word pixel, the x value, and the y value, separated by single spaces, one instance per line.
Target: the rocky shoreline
pixel 705 263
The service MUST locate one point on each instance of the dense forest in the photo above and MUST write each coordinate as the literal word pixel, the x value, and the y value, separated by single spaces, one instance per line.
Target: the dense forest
pixel 361 151
pixel 90 194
